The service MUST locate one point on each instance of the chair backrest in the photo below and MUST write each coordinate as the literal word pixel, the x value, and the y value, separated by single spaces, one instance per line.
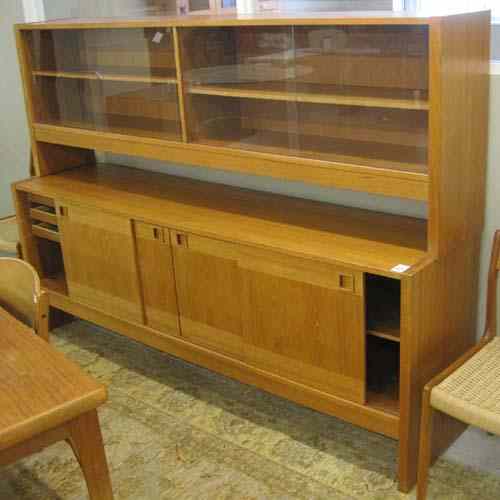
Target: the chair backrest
pixel 21 294
pixel 491 301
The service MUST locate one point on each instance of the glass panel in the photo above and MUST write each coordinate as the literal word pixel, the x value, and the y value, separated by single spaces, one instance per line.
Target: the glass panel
pixel 238 57
pixel 134 108
pixel 120 80
pixel 377 61
pixel 106 52
pixel 355 94
pixel 388 138
pixel 196 5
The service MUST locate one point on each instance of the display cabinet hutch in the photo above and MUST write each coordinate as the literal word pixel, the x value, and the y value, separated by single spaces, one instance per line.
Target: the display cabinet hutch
pixel 345 310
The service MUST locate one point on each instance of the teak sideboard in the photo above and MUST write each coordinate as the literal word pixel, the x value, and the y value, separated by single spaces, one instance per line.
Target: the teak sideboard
pixel 344 310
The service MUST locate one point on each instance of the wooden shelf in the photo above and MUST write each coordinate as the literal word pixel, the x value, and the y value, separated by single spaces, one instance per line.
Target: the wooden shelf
pixel 106 76
pixel 383 308
pixel 315 93
pixel 41 200
pixel 383 364
pixel 387 401
pixel 321 231
pixel 168 130
pixel 388 331
pixel 56 284
pixel 46 231
pixel 370 154
pixel 44 214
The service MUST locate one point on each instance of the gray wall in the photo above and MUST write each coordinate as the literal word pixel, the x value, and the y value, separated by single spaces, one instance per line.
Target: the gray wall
pixel 14 142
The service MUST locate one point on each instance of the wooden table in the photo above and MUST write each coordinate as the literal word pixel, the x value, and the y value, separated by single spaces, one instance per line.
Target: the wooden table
pixel 45 398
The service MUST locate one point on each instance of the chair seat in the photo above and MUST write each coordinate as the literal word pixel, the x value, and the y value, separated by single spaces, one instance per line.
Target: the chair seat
pixel 472 392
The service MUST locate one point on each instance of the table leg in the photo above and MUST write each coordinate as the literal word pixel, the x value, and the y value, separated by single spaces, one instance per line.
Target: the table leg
pixel 86 441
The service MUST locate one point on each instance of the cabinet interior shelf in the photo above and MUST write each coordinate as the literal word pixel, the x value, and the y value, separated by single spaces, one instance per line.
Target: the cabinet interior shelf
pixel 123 125
pixel 106 76
pixel 56 283
pixel 389 331
pixel 387 401
pixel 46 231
pixel 347 95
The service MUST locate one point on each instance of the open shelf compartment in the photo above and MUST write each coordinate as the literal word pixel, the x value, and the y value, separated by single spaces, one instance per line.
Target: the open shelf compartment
pixel 382 367
pixel 383 307
pixel 47 244
pixel 126 107
pixel 383 327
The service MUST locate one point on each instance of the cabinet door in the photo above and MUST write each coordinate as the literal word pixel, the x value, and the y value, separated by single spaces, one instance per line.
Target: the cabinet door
pixel 298 318
pixel 99 261
pixel 154 261
pixel 209 291
pixel 304 320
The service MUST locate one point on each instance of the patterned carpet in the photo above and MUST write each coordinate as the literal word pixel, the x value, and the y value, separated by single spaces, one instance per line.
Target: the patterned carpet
pixel 176 431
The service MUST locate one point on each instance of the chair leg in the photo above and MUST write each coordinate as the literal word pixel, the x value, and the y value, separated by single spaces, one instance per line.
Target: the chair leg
pixel 86 441
pixel 425 451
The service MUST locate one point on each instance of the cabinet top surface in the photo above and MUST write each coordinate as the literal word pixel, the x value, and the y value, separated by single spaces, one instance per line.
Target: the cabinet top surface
pixel 368 240
pixel 267 19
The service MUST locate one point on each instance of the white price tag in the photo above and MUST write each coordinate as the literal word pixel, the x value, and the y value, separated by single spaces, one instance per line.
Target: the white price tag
pixel 400 268
pixel 158 37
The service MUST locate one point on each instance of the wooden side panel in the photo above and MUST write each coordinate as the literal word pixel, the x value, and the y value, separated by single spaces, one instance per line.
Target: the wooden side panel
pixel 28 242
pixel 99 260
pixel 438 324
pixel 156 271
pixel 209 291
pixel 459 96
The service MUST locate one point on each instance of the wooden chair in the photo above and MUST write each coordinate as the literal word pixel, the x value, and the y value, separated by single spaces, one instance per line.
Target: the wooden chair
pixel 21 295
pixel 469 389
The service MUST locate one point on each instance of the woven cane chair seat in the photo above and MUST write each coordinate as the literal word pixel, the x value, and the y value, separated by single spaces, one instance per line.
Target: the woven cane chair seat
pixel 472 392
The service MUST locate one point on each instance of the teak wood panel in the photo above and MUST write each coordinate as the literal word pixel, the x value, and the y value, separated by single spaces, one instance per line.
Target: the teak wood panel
pixel 270 19
pixel 319 231
pixel 99 260
pixel 383 181
pixel 210 294
pixel 156 271
pixel 460 61
pixel 301 320
pixel 438 324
